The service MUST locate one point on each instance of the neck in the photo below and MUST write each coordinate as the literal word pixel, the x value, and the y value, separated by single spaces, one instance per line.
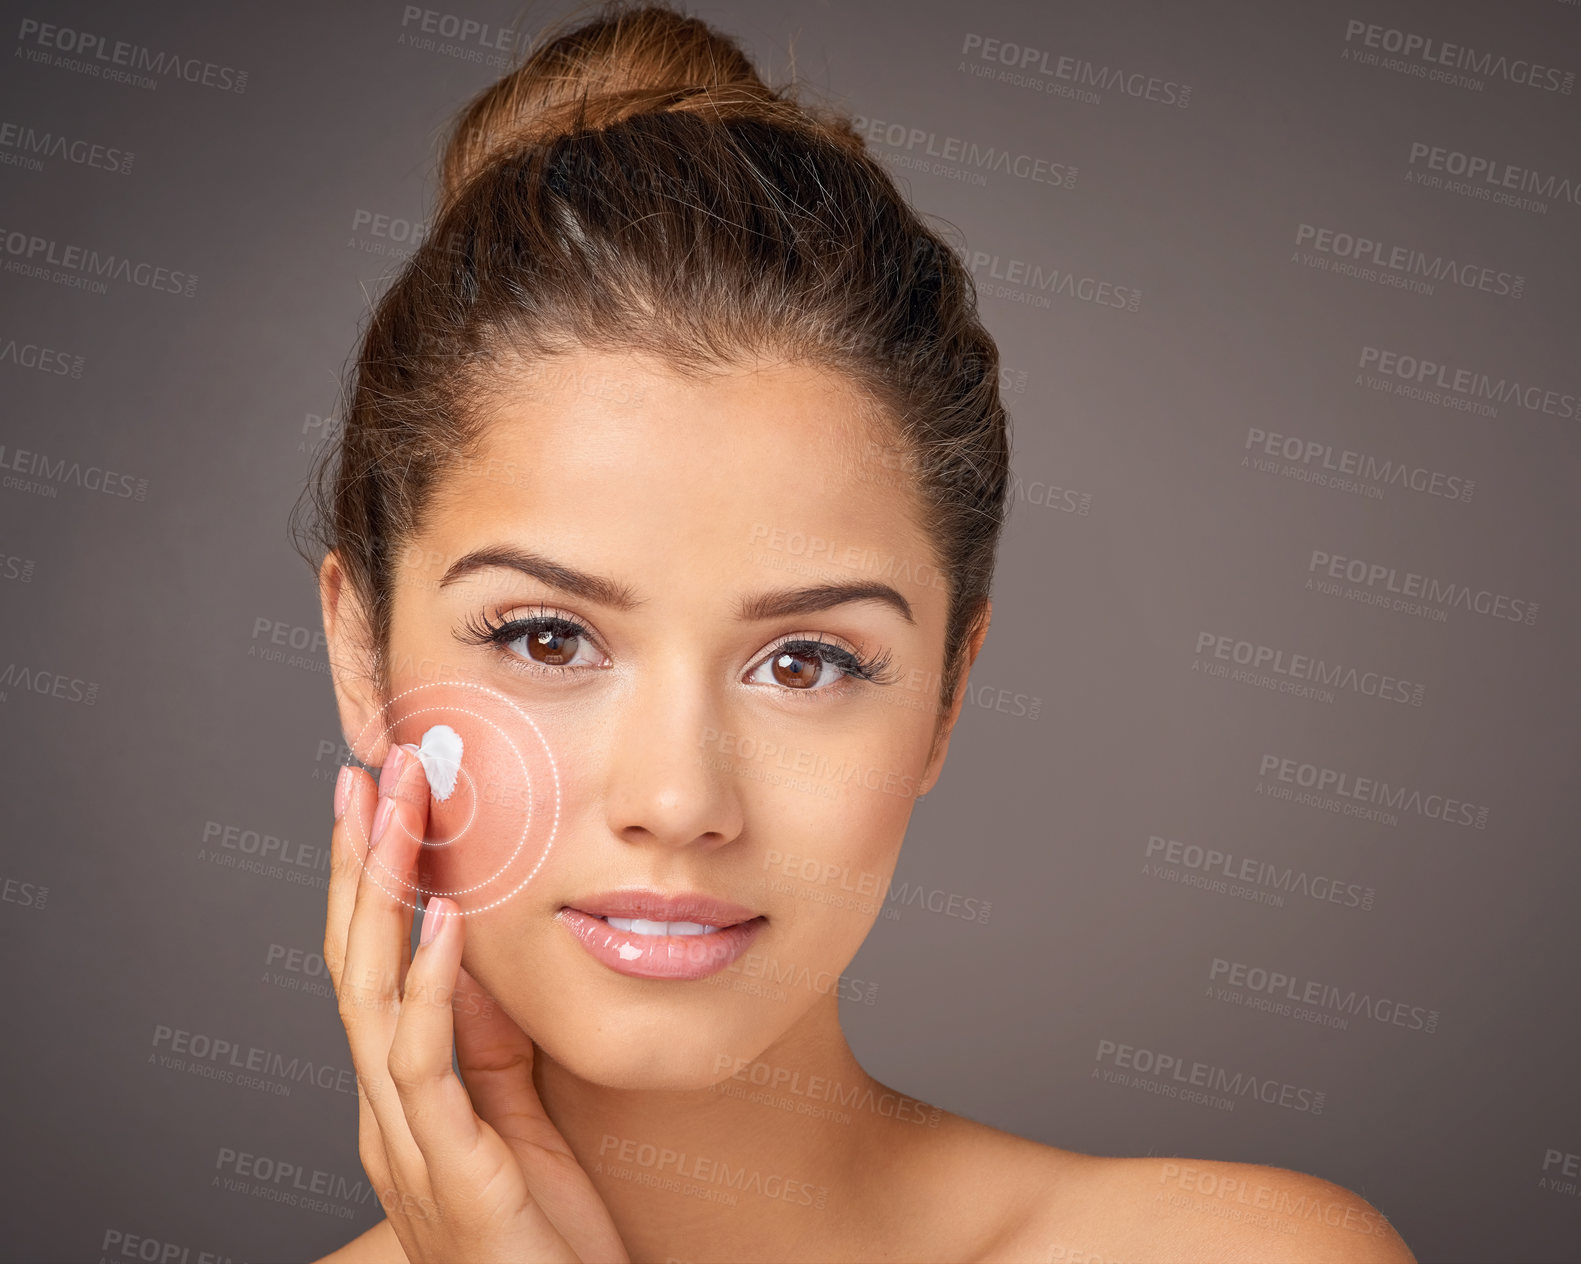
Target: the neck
pixel 783 1155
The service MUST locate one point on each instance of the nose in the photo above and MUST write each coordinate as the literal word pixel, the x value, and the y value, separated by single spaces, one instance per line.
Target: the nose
pixel 660 788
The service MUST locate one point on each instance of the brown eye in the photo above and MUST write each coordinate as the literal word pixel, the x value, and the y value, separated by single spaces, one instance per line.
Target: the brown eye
pixel 550 647
pixel 547 644
pixel 797 671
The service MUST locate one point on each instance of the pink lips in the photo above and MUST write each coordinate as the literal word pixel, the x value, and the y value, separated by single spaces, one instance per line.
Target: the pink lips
pixel 662 956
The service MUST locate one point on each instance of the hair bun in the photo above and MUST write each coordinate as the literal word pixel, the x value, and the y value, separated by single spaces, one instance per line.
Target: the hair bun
pixel 629 59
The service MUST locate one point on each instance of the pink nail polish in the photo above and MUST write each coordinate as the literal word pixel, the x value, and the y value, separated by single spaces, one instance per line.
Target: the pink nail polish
pixel 391 772
pixel 381 818
pixel 435 911
pixel 342 791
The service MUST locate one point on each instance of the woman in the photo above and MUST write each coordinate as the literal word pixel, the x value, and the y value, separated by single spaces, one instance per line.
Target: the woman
pixel 655 554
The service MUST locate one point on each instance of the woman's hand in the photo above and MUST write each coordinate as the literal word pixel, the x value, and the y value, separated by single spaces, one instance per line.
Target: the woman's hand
pixel 472 1172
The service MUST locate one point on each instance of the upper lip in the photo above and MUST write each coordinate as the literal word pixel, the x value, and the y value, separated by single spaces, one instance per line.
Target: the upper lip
pixel 656 906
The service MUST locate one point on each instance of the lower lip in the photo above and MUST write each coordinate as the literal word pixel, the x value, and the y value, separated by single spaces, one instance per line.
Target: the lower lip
pixel 659 956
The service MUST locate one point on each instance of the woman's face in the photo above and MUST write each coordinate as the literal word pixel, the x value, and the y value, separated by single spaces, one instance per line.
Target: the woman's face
pixel 621 564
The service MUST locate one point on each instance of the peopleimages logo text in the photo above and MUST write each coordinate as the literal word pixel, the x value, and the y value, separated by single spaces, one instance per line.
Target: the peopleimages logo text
pixel 1039 279
pixel 1436 52
pixel 98 51
pixel 1427 588
pixel 1263 873
pixel 1491 171
pixel 1307 668
pixel 35 254
pixel 1423 371
pixel 1346 785
pixel 29 142
pixel 1363 465
pixel 953 149
pixel 1077 72
pixel 60 471
pixel 1409 261
pixel 1349 1002
pixel 1180 1071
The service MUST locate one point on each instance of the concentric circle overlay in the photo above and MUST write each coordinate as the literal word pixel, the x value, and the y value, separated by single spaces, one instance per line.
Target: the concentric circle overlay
pixel 450 708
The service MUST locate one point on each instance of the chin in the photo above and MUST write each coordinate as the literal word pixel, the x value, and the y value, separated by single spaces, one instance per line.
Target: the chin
pixel 652 1035
pixel 679 1069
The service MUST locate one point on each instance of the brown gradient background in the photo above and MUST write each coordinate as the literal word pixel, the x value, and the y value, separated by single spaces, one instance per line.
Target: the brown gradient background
pixel 216 401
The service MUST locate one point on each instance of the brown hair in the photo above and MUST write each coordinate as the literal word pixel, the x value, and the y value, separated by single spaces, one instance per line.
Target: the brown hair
pixel 635 186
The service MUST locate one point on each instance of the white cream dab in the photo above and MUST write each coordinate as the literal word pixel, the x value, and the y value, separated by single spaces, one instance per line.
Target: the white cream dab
pixel 440 755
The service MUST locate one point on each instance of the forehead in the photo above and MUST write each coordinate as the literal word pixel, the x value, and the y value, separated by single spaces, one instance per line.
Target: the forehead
pixel 617 451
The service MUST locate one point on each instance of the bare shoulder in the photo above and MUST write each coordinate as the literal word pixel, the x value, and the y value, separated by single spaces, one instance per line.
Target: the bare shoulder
pixel 1182 1211
pixel 378 1245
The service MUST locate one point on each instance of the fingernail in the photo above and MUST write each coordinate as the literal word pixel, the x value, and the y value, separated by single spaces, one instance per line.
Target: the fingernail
pixel 381 818
pixel 342 791
pixel 391 772
pixel 434 912
pixel 403 784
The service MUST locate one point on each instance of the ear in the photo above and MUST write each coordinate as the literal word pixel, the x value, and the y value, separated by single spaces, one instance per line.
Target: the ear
pixel 352 662
pixel 941 745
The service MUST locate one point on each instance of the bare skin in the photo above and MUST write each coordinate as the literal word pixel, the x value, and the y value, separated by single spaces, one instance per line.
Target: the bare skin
pixel 592 1097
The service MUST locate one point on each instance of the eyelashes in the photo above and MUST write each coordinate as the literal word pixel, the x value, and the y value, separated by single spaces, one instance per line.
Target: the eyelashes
pixel 875 670
pixel 480 629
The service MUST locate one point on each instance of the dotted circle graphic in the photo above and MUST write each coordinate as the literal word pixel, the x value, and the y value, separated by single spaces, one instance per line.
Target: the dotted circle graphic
pixel 521 842
pixel 472 813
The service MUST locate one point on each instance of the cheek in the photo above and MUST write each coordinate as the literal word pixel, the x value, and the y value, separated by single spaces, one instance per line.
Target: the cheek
pixel 828 815
pixel 485 840
pixel 855 858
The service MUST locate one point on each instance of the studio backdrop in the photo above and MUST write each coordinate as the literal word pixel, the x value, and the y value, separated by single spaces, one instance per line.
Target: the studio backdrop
pixel 1257 839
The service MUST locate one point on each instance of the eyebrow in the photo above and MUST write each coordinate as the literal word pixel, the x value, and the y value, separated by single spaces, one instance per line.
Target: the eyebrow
pixel 776 604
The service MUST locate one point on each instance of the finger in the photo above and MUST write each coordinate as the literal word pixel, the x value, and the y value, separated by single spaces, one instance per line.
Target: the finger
pixel 470 1167
pixel 377 949
pixel 356 799
pixel 348 844
pixel 495 1057
pixel 438 1111
pixel 379 932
